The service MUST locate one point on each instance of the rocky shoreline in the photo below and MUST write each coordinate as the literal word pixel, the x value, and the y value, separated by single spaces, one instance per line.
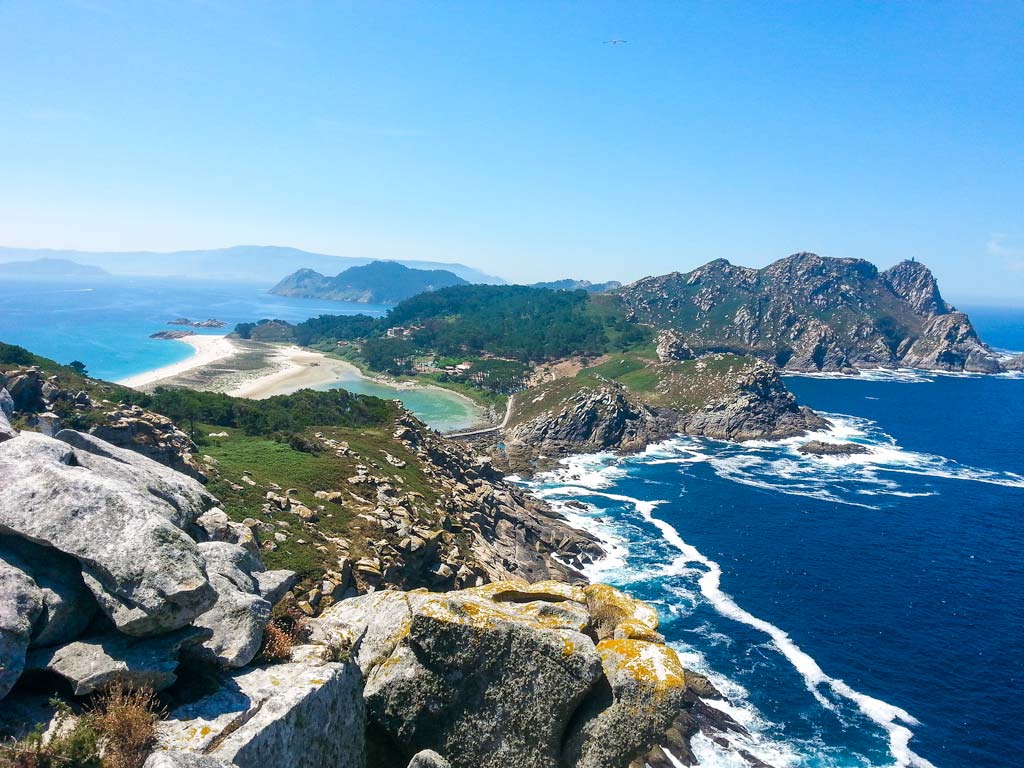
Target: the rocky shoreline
pixel 458 635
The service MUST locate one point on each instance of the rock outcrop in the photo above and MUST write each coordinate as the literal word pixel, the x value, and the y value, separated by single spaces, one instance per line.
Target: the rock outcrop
pixel 21 602
pixel 512 673
pixel 102 580
pixel 809 313
pixel 819 448
pixel 719 396
pixel 145 572
pixel 592 417
pixel 307 713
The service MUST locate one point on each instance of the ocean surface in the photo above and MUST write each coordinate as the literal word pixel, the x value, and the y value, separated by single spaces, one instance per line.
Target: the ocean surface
pixel 106 324
pixel 863 611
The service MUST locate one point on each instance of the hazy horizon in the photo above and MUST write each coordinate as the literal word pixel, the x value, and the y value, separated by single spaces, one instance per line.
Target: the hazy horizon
pixel 513 139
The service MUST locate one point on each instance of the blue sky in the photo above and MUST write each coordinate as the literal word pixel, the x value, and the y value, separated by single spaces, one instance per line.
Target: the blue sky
pixel 509 137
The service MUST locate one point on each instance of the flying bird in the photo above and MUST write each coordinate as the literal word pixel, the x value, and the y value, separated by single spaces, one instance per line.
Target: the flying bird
pixel 614 42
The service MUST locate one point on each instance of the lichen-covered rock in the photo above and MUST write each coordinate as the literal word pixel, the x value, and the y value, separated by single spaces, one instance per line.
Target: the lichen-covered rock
pixel 621 722
pixel 615 614
pixel 238 618
pixel 68 605
pixel 529 673
pixel 509 674
pixel 307 713
pixel 21 602
pixel 116 520
pixel 96 663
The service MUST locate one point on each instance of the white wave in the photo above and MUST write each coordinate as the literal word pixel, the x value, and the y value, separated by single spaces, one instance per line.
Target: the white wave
pixel 895 375
pixel 894 720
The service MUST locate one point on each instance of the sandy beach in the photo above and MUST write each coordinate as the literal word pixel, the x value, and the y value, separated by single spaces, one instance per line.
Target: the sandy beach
pixel 208 349
pixel 297 369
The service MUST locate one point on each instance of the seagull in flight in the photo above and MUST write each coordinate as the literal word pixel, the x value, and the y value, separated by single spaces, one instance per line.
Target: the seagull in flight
pixel 614 42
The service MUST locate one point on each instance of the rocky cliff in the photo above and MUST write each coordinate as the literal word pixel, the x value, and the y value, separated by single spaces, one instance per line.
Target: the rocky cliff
pixel 809 313
pixel 720 396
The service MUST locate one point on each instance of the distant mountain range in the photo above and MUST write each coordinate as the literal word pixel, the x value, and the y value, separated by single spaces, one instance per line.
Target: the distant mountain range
pixel 241 262
pixel 579 285
pixel 380 282
pixel 47 267
pixel 810 313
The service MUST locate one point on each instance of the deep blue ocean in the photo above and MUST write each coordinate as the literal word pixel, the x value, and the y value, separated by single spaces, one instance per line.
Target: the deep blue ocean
pixel 866 611
pixel 106 322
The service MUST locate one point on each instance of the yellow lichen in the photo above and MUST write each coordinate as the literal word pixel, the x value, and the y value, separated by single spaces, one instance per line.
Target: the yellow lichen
pixel 651 663
pixel 610 608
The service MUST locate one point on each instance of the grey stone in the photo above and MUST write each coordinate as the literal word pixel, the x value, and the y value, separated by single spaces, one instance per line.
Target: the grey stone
pixel 68 605
pixel 646 692
pixel 6 403
pixel 93 664
pixel 183 760
pixel 239 617
pixel 7 432
pixel 184 499
pixel 21 602
pixel 116 520
pixel 484 681
pixel 308 713
pixel 428 758
pixel 273 585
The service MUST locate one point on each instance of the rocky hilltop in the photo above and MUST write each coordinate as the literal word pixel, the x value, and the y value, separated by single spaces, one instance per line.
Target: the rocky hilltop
pixel 381 282
pixel 810 313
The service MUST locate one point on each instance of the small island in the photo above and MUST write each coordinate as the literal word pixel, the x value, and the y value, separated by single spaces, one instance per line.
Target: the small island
pixel 820 448
pixel 171 334
pixel 211 323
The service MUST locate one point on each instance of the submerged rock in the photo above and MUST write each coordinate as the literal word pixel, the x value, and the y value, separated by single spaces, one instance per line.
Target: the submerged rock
pixel 820 448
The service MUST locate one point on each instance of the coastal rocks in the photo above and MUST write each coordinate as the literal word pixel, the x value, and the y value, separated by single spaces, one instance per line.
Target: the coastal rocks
pixel 428 758
pixel 211 323
pixel 306 713
pixel 117 521
pixel 819 448
pixel 6 401
pixel 171 335
pixel 20 604
pixel 809 313
pixel 512 673
pixel 553 422
pixel 183 760
pixel 645 693
pixel 756 406
pixel 26 389
pixel 949 343
pixel 96 663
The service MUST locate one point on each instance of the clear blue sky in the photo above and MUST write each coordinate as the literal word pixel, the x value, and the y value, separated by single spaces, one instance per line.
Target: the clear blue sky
pixel 509 137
